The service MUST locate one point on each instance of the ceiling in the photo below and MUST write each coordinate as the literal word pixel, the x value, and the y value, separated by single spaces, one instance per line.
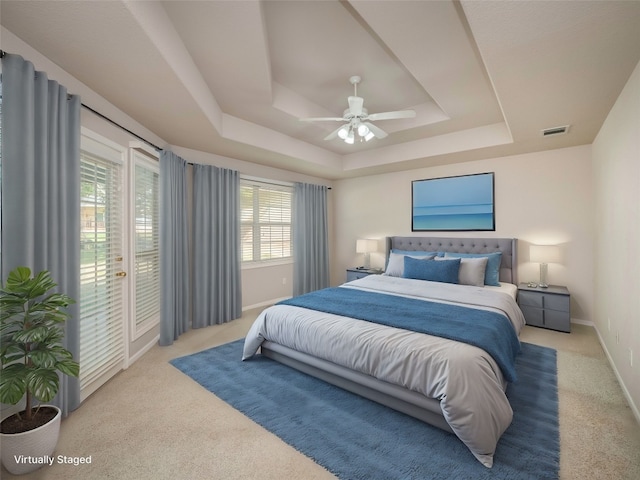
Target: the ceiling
pixel 233 77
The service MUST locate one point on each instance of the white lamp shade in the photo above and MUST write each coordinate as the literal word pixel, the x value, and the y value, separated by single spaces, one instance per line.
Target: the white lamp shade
pixel 364 245
pixel 544 253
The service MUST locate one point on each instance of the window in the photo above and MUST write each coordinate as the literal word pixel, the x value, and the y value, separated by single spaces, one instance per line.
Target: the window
pixel 265 221
pixel 146 246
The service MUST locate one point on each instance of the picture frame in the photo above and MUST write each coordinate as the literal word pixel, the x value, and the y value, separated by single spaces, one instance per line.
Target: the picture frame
pixel 457 203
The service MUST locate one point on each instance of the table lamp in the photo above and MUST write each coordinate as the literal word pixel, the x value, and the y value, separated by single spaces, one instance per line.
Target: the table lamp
pixel 366 246
pixel 544 254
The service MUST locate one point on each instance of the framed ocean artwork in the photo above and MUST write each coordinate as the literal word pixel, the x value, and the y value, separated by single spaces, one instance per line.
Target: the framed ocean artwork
pixel 461 203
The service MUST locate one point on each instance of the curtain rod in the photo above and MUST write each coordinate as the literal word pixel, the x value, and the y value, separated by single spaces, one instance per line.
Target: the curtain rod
pixel 121 127
pixel 155 146
pixel 271 182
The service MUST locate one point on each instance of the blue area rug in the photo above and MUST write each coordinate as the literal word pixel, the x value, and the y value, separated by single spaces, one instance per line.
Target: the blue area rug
pixel 355 438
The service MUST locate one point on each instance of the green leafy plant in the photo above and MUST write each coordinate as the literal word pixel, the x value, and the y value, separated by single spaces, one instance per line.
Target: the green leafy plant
pixel 31 333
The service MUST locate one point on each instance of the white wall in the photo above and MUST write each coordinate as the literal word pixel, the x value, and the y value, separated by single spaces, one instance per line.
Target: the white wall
pixel 540 198
pixel 616 168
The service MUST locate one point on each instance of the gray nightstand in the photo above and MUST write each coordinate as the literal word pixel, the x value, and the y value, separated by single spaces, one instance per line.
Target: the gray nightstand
pixel 355 273
pixel 546 307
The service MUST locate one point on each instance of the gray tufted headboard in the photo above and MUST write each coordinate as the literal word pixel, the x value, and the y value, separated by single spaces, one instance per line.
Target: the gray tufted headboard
pixel 508 266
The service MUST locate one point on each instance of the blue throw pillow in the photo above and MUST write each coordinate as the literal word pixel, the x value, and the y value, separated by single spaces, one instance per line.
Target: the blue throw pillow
pixel 492 272
pixel 419 269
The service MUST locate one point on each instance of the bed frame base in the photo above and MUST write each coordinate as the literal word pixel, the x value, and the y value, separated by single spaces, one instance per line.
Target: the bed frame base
pixel 411 403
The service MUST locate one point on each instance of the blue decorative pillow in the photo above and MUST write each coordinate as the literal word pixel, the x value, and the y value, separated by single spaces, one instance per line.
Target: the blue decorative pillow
pixel 419 269
pixel 492 272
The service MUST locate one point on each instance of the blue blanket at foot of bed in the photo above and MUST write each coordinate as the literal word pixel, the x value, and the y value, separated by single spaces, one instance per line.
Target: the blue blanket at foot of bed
pixel 490 331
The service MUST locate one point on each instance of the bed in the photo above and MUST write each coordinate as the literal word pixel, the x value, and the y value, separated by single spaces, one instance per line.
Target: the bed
pixel 432 375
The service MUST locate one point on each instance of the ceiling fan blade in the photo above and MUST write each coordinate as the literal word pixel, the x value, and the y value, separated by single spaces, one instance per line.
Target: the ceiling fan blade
pixel 322 119
pixel 333 134
pixel 355 105
pixel 392 115
pixel 377 131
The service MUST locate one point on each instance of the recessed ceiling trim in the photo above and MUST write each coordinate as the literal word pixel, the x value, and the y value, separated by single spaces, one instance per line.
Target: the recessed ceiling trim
pixel 473 138
pixel 239 130
pixel 155 22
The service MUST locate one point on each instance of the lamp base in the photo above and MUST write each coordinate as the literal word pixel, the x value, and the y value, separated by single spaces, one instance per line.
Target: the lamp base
pixel 543 276
pixel 367 261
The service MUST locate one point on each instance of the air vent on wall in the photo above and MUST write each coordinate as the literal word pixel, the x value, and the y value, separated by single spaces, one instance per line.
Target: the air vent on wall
pixel 555 131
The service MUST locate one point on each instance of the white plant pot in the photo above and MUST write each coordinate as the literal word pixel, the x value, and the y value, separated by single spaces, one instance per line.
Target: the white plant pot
pixel 39 443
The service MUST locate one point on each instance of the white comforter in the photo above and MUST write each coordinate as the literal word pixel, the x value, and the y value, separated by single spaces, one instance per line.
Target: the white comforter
pixel 465 379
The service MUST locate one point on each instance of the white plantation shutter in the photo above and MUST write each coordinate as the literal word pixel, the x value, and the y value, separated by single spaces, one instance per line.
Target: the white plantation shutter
pixel 265 221
pixel 101 296
pixel 146 244
pixel 246 221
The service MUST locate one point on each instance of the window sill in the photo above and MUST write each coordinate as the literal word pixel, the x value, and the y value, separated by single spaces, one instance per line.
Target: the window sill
pixel 265 263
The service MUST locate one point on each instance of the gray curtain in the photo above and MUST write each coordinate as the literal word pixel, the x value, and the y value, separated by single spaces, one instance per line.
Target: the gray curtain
pixel 217 292
pixel 310 238
pixel 41 190
pixel 174 248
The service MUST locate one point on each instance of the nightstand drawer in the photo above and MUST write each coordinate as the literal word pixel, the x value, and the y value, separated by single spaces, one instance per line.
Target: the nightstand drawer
pixel 557 302
pixel 530 298
pixel 557 320
pixel 351 275
pixel 356 273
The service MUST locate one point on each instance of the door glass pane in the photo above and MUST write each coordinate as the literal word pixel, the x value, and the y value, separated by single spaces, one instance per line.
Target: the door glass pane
pixel 147 246
pixel 101 298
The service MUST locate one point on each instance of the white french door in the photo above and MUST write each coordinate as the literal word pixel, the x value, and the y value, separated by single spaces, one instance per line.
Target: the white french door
pixel 145 243
pixel 103 280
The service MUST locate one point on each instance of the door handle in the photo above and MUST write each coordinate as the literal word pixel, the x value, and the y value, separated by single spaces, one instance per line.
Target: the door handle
pixel 121 274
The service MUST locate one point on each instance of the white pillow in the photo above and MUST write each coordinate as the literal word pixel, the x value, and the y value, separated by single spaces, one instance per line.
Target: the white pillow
pixel 395 267
pixel 471 270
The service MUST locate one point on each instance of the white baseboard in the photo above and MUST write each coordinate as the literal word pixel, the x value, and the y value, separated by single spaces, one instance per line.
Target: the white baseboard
pixel 632 405
pixel 589 323
pixel 144 349
pixel 264 304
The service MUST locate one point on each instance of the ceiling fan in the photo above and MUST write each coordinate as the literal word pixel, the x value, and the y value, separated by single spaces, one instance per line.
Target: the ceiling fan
pixel 359 119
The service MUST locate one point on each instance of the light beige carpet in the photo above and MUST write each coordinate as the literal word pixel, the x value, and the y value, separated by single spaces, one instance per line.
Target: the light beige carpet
pixel 153 422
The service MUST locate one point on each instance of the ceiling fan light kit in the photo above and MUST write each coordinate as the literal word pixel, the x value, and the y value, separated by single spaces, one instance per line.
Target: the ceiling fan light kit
pixel 348 133
pixel 358 119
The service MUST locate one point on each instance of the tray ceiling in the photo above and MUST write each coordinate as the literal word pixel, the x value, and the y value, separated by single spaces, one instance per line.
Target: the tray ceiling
pixel 233 77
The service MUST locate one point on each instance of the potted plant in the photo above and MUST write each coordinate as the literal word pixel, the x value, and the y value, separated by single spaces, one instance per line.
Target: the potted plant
pixel 31 355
